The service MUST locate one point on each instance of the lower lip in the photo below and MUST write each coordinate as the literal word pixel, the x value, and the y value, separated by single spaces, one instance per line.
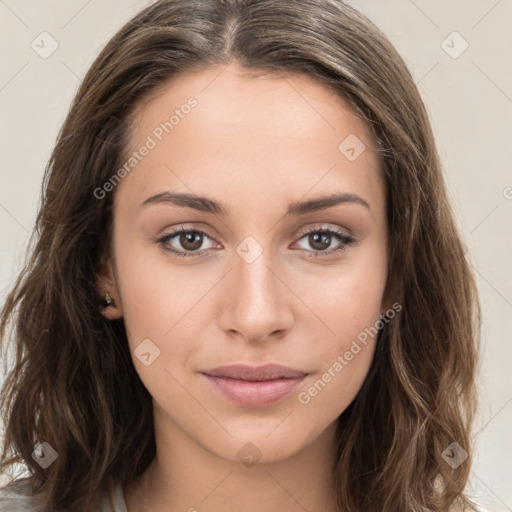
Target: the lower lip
pixel 254 394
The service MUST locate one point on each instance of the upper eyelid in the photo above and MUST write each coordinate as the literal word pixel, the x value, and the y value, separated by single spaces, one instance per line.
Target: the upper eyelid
pixel 302 232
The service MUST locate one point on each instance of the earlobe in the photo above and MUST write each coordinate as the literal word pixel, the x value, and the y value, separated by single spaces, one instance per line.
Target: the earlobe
pixel 110 309
pixel 109 295
pixel 112 312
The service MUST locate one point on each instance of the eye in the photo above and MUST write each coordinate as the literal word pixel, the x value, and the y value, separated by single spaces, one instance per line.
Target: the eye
pixel 190 240
pixel 321 239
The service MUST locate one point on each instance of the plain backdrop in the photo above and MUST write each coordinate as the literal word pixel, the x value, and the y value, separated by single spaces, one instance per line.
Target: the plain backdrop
pixel 459 53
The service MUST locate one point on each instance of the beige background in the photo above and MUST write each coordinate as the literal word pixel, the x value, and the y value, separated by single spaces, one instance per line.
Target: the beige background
pixel 469 97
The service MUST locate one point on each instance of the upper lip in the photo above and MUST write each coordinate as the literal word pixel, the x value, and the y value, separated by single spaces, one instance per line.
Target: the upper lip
pixel 255 373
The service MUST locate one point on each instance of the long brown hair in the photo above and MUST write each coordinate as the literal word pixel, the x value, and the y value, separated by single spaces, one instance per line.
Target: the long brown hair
pixel 73 384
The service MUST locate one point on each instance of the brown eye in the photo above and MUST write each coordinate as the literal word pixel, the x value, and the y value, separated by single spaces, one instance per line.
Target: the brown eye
pixel 188 242
pixel 191 240
pixel 321 239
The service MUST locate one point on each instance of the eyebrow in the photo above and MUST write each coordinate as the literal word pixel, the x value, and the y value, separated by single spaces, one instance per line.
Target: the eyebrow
pixel 207 205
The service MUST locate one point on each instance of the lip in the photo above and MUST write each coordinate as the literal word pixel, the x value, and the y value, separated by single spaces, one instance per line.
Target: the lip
pixel 254 386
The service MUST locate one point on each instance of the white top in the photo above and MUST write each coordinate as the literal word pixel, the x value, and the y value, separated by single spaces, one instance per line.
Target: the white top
pixel 15 497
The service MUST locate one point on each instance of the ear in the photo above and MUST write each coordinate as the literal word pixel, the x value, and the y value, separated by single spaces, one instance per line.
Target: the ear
pixel 107 287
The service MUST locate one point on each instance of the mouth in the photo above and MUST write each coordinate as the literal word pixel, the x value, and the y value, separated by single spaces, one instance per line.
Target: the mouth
pixel 254 386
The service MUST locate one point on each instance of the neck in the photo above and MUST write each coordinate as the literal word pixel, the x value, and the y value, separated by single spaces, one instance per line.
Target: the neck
pixel 186 476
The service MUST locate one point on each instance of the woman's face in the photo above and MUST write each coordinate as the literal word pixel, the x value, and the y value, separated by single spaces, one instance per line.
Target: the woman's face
pixel 266 281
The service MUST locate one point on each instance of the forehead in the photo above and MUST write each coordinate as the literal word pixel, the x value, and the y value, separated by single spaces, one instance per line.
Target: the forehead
pixel 248 131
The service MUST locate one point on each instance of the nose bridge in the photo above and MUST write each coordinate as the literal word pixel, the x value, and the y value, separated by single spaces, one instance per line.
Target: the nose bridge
pixel 256 288
pixel 256 305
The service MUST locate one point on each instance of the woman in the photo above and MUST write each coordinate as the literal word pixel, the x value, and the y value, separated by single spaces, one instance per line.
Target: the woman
pixel 247 289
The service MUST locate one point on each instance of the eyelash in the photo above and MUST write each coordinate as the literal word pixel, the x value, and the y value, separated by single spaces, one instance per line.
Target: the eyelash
pixel 342 237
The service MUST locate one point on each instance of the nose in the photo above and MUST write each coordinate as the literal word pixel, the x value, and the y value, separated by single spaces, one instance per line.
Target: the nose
pixel 256 303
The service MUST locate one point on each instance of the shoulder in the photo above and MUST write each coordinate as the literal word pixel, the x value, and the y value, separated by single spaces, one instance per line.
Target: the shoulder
pixel 17 497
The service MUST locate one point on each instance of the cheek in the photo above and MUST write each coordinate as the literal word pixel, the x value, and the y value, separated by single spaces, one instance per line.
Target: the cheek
pixel 326 395
pixel 351 309
pixel 155 301
pixel 347 297
pixel 349 303
pixel 154 293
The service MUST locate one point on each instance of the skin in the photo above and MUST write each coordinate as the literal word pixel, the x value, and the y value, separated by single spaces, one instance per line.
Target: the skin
pixel 255 144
